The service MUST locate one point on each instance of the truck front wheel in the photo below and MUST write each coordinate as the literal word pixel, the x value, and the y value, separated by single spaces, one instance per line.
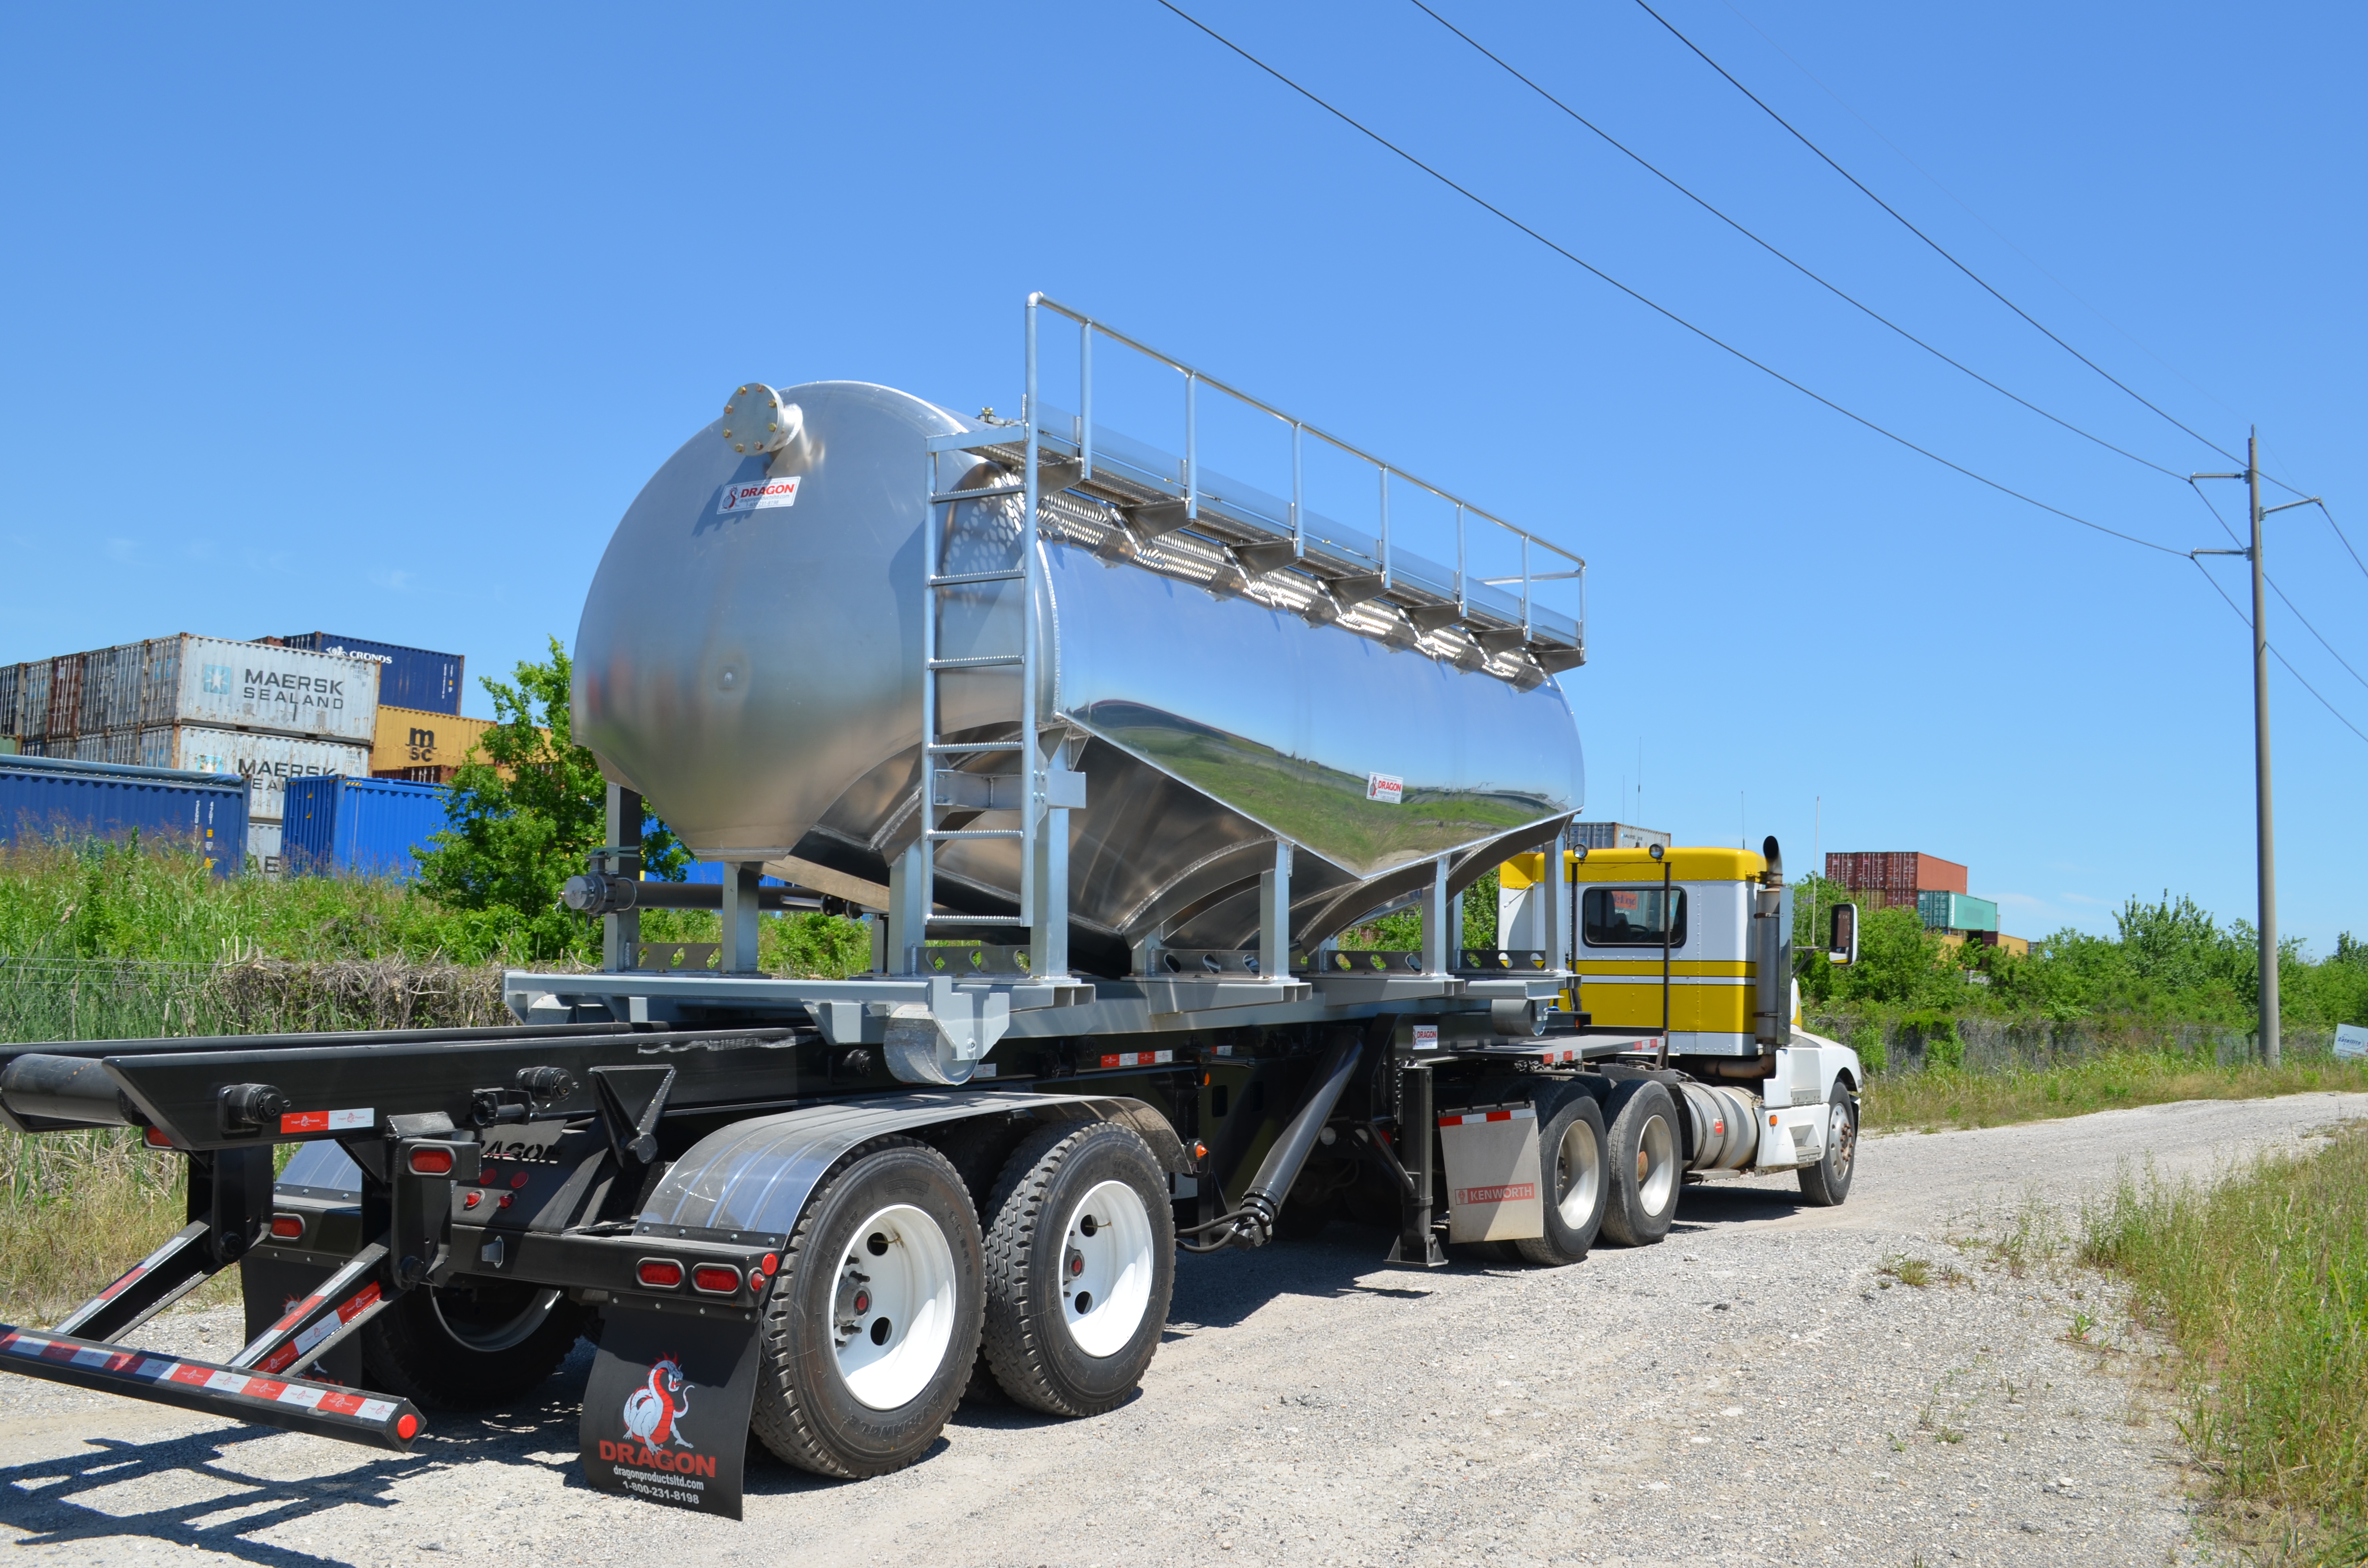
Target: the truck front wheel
pixel 1645 1165
pixel 871 1330
pixel 1080 1263
pixel 1826 1183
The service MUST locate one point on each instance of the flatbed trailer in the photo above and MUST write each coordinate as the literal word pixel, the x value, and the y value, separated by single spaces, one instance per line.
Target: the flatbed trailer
pixel 812 1211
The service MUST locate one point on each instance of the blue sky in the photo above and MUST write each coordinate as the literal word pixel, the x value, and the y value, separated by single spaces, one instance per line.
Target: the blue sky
pixel 375 321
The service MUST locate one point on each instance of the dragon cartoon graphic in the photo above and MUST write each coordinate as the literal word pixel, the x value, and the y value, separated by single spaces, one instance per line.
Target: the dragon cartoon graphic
pixel 653 1410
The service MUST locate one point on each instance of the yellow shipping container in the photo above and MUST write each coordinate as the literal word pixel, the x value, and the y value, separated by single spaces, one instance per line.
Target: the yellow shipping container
pixel 411 738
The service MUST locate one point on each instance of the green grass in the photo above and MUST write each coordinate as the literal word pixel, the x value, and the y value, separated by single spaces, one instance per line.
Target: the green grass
pixel 2261 1280
pixel 1938 1098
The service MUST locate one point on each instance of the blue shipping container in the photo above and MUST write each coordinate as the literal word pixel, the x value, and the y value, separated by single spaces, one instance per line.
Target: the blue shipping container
pixel 360 827
pixel 407 678
pixel 55 797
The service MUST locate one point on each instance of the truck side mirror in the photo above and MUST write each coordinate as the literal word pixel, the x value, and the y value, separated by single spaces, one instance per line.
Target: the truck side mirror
pixel 1843 946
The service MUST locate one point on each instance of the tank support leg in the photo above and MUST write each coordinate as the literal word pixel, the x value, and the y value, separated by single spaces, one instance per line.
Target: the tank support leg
pixel 1274 914
pixel 621 935
pixel 741 880
pixel 1436 958
pixel 908 904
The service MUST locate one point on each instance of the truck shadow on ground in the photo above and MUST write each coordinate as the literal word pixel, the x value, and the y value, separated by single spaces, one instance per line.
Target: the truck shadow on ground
pixel 215 1492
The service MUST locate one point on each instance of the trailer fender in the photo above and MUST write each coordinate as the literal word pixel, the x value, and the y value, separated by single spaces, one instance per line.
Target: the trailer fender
pixel 752 1180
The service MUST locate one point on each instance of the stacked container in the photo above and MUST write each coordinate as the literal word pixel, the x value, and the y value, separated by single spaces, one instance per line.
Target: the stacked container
pixel 1884 879
pixel 422 747
pixel 203 704
pixel 408 677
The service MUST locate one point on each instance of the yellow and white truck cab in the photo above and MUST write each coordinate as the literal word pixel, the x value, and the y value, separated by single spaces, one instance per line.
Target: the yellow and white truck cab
pixel 1683 958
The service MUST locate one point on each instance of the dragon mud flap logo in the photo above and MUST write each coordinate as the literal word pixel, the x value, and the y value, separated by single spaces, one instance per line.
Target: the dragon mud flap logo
pixel 654 1437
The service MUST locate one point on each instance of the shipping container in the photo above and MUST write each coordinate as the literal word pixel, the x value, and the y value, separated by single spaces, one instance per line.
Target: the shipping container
pixel 65 695
pixel 408 677
pixel 1884 879
pixel 267 762
pixel 253 686
pixel 42 798
pixel 12 681
pixel 111 681
pixel 33 700
pixel 1956 912
pixel 1612 836
pixel 362 827
pixel 119 746
pixel 263 846
pixel 413 737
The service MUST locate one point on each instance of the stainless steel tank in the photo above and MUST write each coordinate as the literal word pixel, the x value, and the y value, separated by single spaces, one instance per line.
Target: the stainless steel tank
pixel 749 659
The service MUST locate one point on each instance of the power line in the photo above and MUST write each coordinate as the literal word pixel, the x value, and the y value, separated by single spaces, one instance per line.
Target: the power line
pixel 2002 238
pixel 1660 310
pixel 1836 291
pixel 2241 615
pixel 2273 582
pixel 1937 247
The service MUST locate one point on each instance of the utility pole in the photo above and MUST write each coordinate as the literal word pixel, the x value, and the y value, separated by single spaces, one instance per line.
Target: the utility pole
pixel 2264 847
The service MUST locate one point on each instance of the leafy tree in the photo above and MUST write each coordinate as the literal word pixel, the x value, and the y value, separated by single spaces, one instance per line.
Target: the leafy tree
pixel 524 818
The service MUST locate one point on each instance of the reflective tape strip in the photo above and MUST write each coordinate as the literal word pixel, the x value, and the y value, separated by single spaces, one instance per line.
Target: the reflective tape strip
pixel 1565 1054
pixel 326 1326
pixel 1138 1059
pixel 1474 1118
pixel 328 1120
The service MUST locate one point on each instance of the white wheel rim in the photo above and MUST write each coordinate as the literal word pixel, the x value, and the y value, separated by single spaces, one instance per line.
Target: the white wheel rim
pixel 1106 1267
pixel 893 1313
pixel 1657 1165
pixel 1579 1169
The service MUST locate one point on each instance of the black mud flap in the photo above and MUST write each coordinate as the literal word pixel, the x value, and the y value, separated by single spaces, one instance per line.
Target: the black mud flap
pixel 666 1416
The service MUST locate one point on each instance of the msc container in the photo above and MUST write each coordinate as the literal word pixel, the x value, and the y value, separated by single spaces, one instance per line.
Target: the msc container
pixel 1612 836
pixel 408 677
pixel 44 797
pixel 365 827
pixel 1956 912
pixel 1893 877
pixel 267 762
pixel 416 738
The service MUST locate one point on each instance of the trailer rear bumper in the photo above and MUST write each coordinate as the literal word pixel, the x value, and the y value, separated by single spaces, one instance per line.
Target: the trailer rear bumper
pixel 322 1409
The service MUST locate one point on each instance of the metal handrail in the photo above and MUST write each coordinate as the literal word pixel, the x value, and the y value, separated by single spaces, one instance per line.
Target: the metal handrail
pixel 1194 378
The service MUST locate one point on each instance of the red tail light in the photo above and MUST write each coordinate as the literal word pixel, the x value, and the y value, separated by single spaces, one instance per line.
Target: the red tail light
pixel 288 1227
pixel 154 1138
pixel 715 1278
pixel 431 1162
pixel 659 1273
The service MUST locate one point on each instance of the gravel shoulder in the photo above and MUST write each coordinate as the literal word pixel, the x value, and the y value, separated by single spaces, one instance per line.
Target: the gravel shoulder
pixel 1755 1388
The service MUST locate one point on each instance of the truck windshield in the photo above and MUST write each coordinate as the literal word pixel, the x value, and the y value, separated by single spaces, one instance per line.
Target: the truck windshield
pixel 1630 917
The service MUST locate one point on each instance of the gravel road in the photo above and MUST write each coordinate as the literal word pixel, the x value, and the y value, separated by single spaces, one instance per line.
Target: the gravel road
pixel 1755 1389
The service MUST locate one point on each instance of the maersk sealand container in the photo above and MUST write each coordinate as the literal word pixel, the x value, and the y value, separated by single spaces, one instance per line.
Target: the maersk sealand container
pixel 365 827
pixel 55 797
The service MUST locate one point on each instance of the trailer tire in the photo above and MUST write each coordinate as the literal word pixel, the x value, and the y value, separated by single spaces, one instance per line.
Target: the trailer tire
pixel 1646 1163
pixel 1826 1183
pixel 1574 1179
pixel 470 1345
pixel 1055 1348
pixel 819 1402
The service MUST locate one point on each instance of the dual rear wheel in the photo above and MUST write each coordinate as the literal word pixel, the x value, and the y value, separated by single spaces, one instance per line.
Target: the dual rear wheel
pixel 890 1285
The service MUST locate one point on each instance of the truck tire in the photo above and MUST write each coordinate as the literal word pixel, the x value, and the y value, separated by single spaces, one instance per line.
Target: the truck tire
pixel 470 1345
pixel 1645 1165
pixel 1826 1183
pixel 1080 1263
pixel 870 1333
pixel 1575 1181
